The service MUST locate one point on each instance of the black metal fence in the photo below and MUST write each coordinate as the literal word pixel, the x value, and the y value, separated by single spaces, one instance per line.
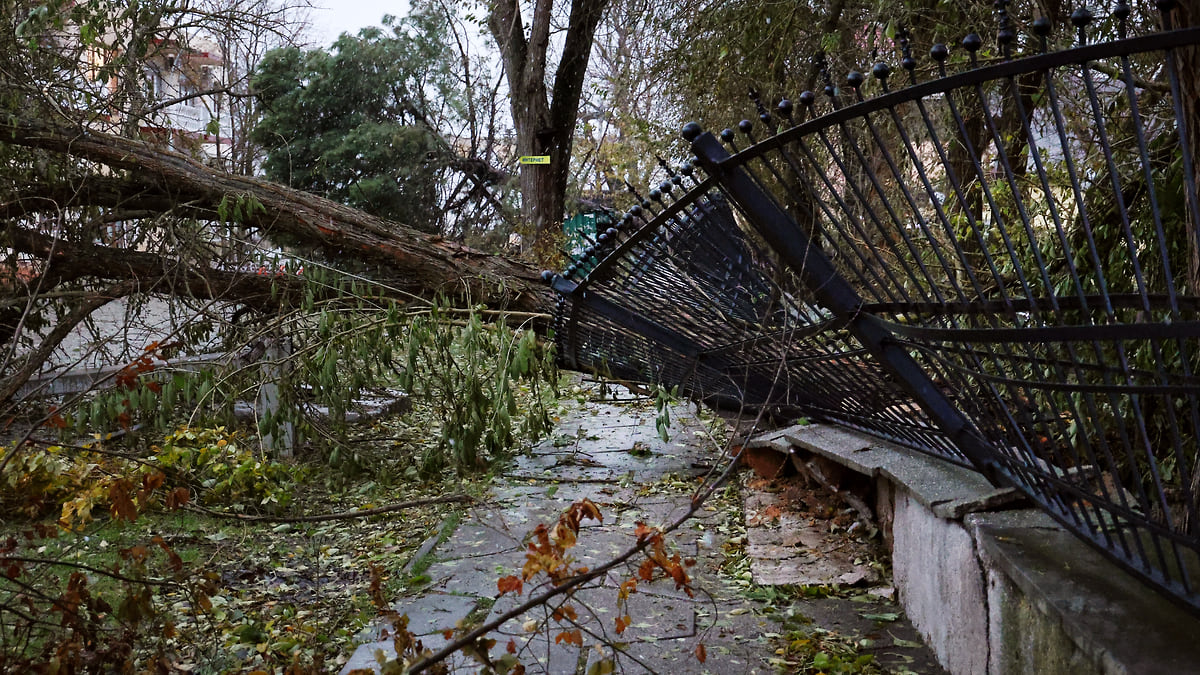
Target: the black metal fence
pixel 997 266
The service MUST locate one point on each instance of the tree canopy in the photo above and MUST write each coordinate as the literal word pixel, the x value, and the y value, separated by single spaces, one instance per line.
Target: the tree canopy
pixel 362 122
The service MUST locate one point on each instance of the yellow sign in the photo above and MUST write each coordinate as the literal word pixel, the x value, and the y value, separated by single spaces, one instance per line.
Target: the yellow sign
pixel 535 159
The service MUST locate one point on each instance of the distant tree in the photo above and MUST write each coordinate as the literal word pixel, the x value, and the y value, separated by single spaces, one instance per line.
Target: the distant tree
pixel 370 122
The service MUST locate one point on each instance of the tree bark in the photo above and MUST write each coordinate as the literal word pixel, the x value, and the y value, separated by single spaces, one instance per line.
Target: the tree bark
pixel 544 116
pixel 151 273
pixel 1187 60
pixel 422 264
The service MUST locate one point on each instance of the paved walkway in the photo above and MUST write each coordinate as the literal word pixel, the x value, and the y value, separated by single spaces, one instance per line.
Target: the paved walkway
pixel 611 454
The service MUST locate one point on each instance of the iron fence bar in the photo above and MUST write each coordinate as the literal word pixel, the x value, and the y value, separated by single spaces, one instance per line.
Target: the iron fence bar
pixel 1164 259
pixel 620 250
pixel 922 90
pixel 1021 360
pixel 1100 444
pixel 1079 303
pixel 631 320
pixel 1189 181
pixel 808 263
pixel 912 205
pixel 867 269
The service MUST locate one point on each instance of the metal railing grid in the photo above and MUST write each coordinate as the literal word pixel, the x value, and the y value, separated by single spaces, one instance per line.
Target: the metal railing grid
pixel 993 266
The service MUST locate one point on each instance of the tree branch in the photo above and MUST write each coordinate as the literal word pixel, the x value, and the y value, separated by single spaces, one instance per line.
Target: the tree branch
pixel 149 272
pixel 344 515
pixel 31 363
pixel 425 264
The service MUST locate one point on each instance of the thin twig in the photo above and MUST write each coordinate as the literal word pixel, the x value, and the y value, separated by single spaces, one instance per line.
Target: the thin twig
pixel 575 582
pixel 344 515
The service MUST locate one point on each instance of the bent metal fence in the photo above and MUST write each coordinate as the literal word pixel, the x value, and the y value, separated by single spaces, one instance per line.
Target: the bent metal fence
pixel 997 266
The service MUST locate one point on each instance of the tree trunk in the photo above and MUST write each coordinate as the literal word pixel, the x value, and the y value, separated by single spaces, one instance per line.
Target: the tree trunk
pixel 421 264
pixel 544 117
pixel 1187 60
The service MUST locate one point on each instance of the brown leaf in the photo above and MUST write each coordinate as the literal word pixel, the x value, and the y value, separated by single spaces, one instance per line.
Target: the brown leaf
pixel 590 510
pixel 178 498
pixel 173 559
pixel 135 553
pixel 122 506
pixel 509 584
pixel 646 570
pixel 700 652
pixel 680 576
pixel 150 483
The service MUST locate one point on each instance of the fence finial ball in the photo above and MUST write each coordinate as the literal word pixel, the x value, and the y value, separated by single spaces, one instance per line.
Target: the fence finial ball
pixel 547 276
pixel 1121 11
pixel 1041 26
pixel 881 70
pixel 972 42
pixel 785 108
pixel 745 126
pixel 691 131
pixel 939 52
pixel 855 79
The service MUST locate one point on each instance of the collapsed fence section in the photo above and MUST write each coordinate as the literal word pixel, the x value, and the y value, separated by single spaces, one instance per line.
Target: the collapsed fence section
pixel 999 266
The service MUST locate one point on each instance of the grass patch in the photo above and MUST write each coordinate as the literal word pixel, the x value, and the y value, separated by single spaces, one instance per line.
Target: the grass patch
pixel 274 593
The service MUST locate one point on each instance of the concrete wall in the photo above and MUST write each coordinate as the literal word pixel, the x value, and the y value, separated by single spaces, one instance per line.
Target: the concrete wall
pixel 937 574
pixel 995 586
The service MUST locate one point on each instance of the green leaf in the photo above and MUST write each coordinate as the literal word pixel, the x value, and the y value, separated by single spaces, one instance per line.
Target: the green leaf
pixel 602 667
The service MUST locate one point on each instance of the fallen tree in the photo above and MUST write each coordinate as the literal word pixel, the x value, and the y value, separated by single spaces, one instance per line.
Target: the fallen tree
pixel 419 263
pixel 124 178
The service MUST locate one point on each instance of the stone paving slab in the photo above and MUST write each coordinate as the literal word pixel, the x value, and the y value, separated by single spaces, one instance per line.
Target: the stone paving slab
pixel 475 540
pixel 611 453
pixel 427 615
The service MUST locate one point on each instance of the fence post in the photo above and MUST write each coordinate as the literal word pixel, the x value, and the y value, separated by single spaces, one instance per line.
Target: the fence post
pixel 273 364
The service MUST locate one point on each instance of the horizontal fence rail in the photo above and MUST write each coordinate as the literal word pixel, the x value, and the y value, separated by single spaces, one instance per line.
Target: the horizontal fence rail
pixel 1000 267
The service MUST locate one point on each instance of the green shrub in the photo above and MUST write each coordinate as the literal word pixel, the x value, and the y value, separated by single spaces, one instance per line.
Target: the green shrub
pixel 223 471
pixel 35 481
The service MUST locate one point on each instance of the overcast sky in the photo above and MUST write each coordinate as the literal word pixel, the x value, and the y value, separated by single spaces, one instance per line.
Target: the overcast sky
pixel 331 18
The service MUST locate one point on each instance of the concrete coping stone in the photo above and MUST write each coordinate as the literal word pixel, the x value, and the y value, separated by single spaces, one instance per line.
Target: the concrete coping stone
pixel 950 491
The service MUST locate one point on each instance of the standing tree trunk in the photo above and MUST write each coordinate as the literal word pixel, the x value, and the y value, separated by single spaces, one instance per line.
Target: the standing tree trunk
pixel 1187 13
pixel 544 115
